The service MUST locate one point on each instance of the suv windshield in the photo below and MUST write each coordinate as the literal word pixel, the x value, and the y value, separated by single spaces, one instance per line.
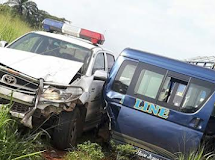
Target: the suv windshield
pixel 44 45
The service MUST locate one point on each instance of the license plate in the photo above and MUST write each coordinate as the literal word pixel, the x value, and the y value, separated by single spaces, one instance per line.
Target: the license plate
pixel 145 155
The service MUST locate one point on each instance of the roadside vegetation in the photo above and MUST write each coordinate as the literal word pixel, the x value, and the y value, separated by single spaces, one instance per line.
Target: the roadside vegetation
pixel 94 151
pixel 12 27
pixel 18 17
pixel 28 11
pixel 15 146
pixel 200 154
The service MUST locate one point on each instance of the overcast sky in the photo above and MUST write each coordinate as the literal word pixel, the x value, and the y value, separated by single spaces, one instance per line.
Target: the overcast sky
pixel 174 28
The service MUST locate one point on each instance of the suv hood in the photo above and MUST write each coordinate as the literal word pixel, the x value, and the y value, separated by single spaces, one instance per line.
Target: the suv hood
pixel 49 68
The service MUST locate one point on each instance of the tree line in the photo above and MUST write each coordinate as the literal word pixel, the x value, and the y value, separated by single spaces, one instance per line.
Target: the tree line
pixel 28 11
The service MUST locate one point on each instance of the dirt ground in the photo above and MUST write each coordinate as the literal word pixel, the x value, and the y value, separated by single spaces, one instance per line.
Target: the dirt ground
pixel 54 154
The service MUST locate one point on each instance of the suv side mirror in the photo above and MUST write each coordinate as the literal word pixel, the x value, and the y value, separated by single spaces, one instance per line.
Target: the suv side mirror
pixel 100 75
pixel 3 43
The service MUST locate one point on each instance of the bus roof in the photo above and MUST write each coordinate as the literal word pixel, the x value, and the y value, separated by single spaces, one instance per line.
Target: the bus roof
pixel 171 64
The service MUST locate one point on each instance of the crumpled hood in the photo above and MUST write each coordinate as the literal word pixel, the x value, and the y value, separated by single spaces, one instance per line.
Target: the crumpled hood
pixel 49 68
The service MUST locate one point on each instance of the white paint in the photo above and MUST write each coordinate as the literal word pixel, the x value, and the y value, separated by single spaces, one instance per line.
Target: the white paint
pixel 49 68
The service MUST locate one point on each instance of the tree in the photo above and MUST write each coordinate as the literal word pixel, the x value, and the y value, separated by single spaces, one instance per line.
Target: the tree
pixel 24 7
pixel 29 12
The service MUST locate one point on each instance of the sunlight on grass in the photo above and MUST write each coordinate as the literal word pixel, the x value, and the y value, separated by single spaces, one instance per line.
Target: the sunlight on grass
pixel 13 145
pixel 12 27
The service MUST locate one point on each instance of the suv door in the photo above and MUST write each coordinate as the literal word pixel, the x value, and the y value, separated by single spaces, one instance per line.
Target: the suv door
pixel 156 109
pixel 94 106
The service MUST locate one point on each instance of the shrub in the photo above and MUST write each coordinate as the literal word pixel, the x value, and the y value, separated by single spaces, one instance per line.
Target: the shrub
pixel 123 151
pixel 86 151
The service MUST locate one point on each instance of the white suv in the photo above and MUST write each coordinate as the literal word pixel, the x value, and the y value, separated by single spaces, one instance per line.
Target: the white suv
pixel 55 80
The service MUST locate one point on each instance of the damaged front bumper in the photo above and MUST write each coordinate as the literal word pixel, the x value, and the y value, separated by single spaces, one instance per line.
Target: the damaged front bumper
pixel 26 95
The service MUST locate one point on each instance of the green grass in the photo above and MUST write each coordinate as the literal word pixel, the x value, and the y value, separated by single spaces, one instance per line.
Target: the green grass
pixel 93 151
pixel 13 145
pixel 198 155
pixel 12 27
pixel 86 151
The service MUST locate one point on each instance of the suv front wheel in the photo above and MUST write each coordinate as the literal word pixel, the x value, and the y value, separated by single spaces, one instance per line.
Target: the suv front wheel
pixel 66 130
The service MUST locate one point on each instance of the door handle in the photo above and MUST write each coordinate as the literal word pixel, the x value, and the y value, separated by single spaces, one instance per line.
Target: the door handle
pixel 196 123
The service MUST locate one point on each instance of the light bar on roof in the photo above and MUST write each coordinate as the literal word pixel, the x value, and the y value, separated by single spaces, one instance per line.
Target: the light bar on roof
pixel 50 25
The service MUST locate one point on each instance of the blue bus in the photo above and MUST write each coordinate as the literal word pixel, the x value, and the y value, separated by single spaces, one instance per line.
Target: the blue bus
pixel 161 105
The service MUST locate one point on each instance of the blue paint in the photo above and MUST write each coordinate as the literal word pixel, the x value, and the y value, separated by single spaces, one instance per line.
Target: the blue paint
pixel 153 124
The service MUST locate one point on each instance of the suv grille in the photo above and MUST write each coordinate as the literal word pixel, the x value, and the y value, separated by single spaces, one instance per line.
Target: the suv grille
pixel 20 108
pixel 16 83
pixel 16 107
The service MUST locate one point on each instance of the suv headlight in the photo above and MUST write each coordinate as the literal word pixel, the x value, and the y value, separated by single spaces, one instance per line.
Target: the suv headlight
pixel 61 95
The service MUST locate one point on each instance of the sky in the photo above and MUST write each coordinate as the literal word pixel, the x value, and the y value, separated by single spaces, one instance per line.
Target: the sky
pixel 175 28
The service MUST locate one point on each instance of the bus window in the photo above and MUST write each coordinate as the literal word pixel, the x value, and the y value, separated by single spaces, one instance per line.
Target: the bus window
pixel 173 91
pixel 124 77
pixel 195 96
pixel 148 83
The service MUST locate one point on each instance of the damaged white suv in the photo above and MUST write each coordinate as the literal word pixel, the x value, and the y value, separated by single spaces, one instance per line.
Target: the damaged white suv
pixel 55 80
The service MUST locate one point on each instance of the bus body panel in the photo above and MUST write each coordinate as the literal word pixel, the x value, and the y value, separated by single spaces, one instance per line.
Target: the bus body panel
pixel 131 123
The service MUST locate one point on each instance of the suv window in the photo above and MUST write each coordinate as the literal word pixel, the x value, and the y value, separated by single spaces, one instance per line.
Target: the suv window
pixel 110 61
pixel 99 62
pixel 124 77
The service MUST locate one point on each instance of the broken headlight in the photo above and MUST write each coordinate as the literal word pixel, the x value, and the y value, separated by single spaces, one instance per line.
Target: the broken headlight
pixel 61 95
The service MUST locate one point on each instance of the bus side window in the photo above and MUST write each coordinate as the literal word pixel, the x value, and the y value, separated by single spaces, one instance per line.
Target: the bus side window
pixel 195 96
pixel 148 83
pixel 124 77
pixel 173 91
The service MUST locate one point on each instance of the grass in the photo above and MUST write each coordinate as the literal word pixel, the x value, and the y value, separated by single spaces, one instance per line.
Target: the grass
pixel 12 27
pixel 86 151
pixel 93 151
pixel 13 145
pixel 198 155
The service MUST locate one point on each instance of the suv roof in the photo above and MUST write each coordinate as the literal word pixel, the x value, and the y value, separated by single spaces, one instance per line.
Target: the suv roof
pixel 171 64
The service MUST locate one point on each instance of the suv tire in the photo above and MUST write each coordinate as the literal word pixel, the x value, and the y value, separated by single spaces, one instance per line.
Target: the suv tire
pixel 66 130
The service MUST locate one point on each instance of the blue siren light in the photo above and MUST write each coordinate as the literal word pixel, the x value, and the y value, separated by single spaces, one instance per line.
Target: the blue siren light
pixel 51 25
